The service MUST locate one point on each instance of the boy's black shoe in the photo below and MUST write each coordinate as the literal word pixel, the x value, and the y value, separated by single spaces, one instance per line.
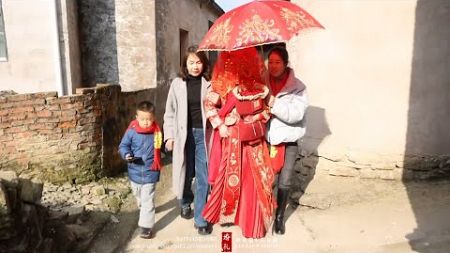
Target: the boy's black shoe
pixel 146 233
pixel 186 212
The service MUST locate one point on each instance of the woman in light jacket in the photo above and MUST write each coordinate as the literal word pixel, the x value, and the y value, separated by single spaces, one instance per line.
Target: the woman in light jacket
pixel 287 104
pixel 185 131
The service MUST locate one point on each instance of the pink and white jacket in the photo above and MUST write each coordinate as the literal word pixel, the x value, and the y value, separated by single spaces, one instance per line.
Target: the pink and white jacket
pixel 288 112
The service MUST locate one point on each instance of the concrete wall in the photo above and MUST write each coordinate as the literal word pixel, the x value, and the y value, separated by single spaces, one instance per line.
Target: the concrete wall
pixel 30 34
pixel 429 92
pixel 136 44
pixel 70 49
pixel 194 19
pixel 360 76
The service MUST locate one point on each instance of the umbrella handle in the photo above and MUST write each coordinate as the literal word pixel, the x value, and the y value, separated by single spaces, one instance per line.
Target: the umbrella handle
pixel 262 51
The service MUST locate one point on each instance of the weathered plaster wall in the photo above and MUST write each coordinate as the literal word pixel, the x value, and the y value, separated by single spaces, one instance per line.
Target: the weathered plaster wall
pixel 360 82
pixel 31 46
pixel 136 44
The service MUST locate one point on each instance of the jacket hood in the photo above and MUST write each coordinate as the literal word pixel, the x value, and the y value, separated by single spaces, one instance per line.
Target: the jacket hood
pixel 293 84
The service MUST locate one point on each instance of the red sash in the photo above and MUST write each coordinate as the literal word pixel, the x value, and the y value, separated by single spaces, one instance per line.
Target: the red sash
pixel 216 149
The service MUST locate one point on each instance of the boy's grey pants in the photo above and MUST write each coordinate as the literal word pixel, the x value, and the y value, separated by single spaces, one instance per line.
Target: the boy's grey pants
pixel 145 196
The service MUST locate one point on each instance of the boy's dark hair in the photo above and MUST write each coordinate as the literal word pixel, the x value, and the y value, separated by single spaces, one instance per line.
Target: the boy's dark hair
pixel 282 52
pixel 146 106
pixel 203 58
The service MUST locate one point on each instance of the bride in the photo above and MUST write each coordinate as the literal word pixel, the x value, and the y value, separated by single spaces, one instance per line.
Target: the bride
pixel 239 166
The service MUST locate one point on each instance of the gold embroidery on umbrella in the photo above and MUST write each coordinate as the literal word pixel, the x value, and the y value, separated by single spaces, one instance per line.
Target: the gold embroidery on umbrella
pixel 256 30
pixel 296 20
pixel 221 34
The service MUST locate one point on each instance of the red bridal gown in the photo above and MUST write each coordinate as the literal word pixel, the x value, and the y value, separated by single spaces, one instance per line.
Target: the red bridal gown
pixel 240 173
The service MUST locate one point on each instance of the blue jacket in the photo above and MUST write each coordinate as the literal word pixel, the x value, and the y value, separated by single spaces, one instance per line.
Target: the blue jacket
pixel 141 147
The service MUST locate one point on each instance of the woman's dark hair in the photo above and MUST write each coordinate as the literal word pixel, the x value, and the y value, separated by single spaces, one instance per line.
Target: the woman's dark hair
pixel 203 58
pixel 146 106
pixel 282 52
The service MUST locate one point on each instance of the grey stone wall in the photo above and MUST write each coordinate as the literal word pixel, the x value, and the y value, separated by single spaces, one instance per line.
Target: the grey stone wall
pixel 98 42
pixel 163 64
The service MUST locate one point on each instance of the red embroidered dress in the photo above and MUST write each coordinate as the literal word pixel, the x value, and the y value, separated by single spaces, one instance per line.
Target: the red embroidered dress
pixel 239 171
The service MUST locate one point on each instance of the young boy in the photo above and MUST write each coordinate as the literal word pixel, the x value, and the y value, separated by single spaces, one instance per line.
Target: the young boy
pixel 140 147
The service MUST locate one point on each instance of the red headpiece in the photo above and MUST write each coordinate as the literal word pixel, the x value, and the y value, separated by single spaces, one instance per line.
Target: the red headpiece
pixel 244 67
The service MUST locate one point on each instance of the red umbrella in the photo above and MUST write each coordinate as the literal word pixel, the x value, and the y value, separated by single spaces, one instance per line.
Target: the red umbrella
pixel 257 23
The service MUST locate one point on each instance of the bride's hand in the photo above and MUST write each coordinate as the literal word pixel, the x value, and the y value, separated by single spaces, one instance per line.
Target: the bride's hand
pixel 223 131
pixel 249 118
pixel 271 101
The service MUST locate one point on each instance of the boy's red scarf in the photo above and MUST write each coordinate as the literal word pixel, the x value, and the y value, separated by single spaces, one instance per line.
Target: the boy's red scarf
pixel 157 143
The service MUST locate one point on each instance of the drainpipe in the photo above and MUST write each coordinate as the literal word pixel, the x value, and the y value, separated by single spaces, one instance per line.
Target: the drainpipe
pixel 57 49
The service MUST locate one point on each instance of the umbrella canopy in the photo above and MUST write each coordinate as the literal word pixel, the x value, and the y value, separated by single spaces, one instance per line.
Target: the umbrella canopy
pixel 257 23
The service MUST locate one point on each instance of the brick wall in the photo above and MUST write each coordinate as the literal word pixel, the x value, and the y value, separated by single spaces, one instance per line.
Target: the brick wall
pixel 75 138
pixel 69 138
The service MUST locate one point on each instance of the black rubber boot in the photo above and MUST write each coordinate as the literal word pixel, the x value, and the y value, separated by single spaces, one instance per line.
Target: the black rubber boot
pixel 282 199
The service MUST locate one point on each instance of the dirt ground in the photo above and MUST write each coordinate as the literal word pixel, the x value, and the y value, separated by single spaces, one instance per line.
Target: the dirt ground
pixel 336 214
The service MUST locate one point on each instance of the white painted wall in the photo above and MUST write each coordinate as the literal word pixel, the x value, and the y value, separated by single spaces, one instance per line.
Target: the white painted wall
pixel 359 76
pixel 30 35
